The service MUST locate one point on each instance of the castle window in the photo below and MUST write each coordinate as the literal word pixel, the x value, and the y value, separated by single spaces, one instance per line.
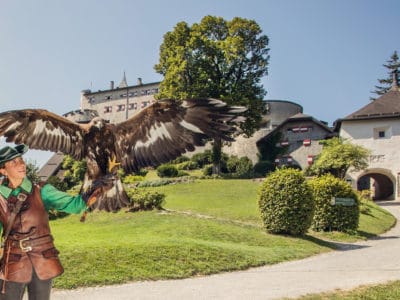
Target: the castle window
pixel 382 133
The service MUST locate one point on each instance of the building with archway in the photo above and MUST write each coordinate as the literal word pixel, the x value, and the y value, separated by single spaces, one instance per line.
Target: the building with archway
pixel 376 126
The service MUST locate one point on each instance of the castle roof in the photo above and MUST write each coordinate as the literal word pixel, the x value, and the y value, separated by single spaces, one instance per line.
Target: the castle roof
pixel 386 106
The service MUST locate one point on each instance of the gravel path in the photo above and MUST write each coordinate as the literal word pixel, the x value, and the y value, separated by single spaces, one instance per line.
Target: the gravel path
pixel 372 261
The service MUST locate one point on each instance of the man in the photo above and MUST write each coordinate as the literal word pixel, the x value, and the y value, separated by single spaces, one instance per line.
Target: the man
pixel 29 256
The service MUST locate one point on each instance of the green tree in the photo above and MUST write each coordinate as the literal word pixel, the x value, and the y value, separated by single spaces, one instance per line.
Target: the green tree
pixel 219 59
pixel 338 156
pixel 32 171
pixel 392 65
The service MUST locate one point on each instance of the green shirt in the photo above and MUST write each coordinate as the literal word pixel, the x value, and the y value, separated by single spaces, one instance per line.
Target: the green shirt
pixel 51 197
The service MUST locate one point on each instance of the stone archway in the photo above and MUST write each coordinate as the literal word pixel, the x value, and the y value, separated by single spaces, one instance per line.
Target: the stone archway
pixel 380 182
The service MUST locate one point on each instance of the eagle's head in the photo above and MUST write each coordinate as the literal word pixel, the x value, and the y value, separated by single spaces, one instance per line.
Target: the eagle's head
pixel 97 123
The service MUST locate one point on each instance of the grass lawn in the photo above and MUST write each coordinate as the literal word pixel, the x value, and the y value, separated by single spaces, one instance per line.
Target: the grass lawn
pixel 209 226
pixel 388 291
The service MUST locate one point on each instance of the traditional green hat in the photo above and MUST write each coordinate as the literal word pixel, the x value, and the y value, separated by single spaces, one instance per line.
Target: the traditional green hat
pixel 8 153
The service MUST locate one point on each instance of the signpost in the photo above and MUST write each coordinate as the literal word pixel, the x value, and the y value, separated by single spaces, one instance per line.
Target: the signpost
pixel 343 201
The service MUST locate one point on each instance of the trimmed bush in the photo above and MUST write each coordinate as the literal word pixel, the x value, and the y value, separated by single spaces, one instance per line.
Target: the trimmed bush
pixel 328 217
pixel 286 202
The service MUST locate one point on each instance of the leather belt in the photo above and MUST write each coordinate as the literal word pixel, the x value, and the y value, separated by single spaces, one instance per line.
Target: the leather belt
pixel 28 243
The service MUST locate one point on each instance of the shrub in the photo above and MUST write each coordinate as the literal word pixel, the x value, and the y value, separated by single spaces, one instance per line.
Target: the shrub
pixel 145 200
pixel 240 167
pixel 167 170
pixel 187 165
pixel 58 183
pixel 180 159
pixel 286 202
pixel 202 159
pixel 131 179
pixel 328 217
pixel 208 170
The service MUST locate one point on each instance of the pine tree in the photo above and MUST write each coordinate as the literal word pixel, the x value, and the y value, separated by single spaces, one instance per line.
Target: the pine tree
pixel 392 65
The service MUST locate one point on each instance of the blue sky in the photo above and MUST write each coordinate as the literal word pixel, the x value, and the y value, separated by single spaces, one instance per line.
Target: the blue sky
pixel 326 55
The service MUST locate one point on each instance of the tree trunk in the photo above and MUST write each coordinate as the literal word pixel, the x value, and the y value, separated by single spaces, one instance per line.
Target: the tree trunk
pixel 216 156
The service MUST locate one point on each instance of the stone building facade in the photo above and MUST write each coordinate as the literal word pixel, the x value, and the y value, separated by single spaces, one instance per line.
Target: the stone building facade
pixel 299 136
pixel 118 104
pixel 376 126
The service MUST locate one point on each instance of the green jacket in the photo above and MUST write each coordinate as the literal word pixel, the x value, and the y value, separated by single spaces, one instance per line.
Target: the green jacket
pixel 51 197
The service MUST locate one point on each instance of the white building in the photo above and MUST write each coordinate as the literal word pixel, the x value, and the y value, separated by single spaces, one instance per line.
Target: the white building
pixel 376 126
pixel 117 104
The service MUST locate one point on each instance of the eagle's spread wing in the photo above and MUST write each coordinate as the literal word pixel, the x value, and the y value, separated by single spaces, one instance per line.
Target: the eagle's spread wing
pixel 167 129
pixel 42 130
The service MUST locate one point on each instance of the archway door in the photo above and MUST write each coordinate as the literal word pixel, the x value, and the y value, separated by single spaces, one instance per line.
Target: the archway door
pixel 380 183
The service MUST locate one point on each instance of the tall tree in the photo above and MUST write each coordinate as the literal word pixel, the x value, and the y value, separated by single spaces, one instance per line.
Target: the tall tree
pixel 219 59
pixel 392 65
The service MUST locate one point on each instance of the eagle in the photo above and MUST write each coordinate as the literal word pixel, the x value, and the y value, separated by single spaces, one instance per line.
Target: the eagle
pixel 157 134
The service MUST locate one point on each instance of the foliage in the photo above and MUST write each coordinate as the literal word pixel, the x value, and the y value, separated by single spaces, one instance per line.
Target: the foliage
pixel 219 59
pixel 74 170
pixel 267 152
pixel 286 202
pixel 187 165
pixel 338 156
pixel 167 170
pixel 132 179
pixel 202 158
pixel 328 217
pixel 58 183
pixel 240 167
pixel 165 181
pixel 392 65
pixel 180 159
pixel 145 200
pixel 32 171
pixel 263 167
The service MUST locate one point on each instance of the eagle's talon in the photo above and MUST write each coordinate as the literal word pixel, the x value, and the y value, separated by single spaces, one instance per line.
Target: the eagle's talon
pixel 112 163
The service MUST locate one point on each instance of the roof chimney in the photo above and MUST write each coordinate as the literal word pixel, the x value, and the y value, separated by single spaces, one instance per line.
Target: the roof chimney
pixel 139 81
pixel 111 85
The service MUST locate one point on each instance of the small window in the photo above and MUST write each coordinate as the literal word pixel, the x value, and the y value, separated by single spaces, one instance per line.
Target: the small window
pixel 121 107
pixel 107 109
pixel 382 133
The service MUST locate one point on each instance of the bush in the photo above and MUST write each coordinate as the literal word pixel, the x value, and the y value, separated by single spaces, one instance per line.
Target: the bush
pixel 58 183
pixel 328 217
pixel 202 159
pixel 180 159
pixel 145 200
pixel 240 167
pixel 187 165
pixel 167 170
pixel 286 202
pixel 132 179
pixel 208 170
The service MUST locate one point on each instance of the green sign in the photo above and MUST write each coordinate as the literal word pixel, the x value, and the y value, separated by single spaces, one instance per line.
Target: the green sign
pixel 343 201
